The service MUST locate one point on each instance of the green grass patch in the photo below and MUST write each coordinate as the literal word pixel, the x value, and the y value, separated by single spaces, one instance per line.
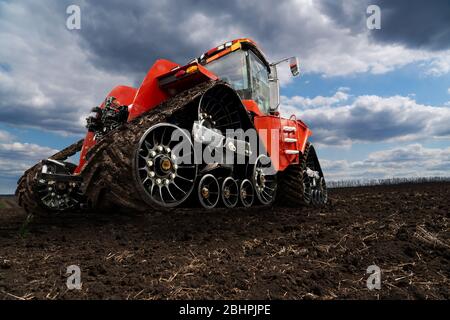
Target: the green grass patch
pixel 25 228
pixel 2 205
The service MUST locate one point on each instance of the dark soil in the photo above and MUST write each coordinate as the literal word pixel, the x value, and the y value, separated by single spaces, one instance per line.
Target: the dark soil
pixel 258 253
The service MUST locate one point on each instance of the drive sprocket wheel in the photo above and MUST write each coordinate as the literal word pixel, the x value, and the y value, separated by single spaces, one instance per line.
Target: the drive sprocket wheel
pixel 265 180
pixel 165 166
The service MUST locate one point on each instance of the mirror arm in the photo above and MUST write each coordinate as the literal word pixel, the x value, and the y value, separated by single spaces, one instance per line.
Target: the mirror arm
pixel 282 60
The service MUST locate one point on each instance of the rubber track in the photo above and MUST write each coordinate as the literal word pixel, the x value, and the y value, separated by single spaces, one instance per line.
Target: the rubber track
pixel 109 178
pixel 290 183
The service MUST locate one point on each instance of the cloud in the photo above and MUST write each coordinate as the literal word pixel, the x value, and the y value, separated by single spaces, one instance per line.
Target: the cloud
pixel 415 24
pixel 438 66
pixel 411 23
pixel 368 118
pixel 49 82
pixel 24 151
pixel 316 102
pixel 412 160
pixel 16 157
pixel 327 43
pixel 50 77
pixel 5 136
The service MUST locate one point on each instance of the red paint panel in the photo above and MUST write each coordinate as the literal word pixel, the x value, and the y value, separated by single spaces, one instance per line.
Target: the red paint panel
pixel 271 141
pixel 252 106
pixel 179 80
pixel 150 94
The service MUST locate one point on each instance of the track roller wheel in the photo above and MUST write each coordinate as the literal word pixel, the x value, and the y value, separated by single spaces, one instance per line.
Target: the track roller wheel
pixel 208 191
pixel 247 193
pixel 264 180
pixel 230 192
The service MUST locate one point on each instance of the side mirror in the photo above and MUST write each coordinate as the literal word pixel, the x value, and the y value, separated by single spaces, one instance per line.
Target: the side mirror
pixel 293 64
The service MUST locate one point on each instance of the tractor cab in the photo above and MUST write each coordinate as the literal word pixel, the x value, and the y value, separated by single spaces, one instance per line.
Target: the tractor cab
pixel 242 65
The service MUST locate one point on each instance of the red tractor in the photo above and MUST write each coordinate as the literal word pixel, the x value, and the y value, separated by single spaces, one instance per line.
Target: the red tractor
pixel 208 133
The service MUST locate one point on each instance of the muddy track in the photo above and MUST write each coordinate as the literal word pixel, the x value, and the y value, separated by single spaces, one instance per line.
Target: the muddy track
pixel 255 253
pixel 108 179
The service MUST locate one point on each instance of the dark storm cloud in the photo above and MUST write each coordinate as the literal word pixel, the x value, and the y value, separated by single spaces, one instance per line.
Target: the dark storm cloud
pixel 349 14
pixel 421 24
pixel 60 75
pixel 130 36
pixel 413 23
pixel 46 80
pixel 49 119
pixel 126 36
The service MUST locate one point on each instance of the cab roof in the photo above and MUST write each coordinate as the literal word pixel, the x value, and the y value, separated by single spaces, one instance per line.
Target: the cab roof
pixel 231 46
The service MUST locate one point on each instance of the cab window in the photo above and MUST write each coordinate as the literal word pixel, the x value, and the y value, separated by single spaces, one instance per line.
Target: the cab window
pixel 231 69
pixel 259 79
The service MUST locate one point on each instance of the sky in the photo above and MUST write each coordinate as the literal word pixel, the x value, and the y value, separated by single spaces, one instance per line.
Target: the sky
pixel 377 100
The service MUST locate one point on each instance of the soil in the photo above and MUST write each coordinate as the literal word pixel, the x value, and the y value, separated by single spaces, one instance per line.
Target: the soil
pixel 256 253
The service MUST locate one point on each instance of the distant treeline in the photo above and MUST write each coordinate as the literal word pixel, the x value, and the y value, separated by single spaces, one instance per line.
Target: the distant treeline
pixel 383 182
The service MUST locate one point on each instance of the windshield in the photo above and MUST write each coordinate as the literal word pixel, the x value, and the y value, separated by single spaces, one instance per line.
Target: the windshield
pixel 231 69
